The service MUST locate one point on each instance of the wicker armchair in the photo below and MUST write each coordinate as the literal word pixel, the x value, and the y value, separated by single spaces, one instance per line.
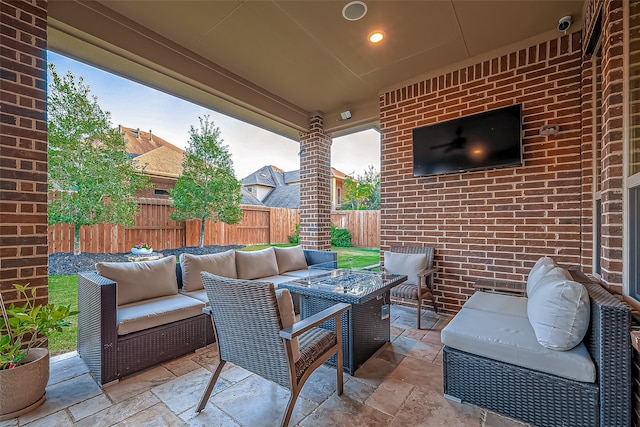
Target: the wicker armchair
pixel 249 330
pixel 423 291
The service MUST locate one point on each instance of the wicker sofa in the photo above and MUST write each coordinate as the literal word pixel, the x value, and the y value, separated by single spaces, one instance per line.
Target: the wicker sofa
pixel 542 398
pixel 137 315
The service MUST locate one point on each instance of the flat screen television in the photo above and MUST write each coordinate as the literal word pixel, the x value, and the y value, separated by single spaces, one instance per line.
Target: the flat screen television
pixel 488 140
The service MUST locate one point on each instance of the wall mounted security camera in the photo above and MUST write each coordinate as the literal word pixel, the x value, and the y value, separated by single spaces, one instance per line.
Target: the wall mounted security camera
pixel 564 23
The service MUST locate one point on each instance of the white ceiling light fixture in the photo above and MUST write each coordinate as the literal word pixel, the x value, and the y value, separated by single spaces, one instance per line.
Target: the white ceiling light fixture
pixel 354 10
pixel 376 37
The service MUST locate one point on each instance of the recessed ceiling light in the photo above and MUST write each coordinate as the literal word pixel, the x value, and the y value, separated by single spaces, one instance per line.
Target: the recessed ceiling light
pixel 354 10
pixel 376 37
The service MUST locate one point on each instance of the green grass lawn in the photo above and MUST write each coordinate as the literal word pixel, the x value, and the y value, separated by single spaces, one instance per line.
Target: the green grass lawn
pixel 63 290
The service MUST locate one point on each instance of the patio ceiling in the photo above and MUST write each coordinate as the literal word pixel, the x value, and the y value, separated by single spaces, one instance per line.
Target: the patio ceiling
pixel 271 63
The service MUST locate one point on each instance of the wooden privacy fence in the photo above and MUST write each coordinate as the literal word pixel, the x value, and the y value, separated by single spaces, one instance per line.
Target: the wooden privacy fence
pixel 364 226
pixel 259 225
pixel 154 226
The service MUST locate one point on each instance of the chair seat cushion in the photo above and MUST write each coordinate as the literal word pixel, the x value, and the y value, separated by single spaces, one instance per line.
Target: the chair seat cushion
pixel 305 273
pixel 511 339
pixel 498 303
pixel 313 343
pixel 277 279
pixel 408 291
pixel 200 295
pixel 142 315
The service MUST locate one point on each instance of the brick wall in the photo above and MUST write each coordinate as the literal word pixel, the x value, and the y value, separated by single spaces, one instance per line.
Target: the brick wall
pixel 315 186
pixel 490 223
pixel 23 142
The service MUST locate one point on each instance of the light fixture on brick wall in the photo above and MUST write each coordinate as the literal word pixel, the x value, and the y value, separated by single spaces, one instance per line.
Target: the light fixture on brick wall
pixel 548 130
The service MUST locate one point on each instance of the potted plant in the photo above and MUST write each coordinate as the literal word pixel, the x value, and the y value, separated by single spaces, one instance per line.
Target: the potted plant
pixel 141 248
pixel 24 366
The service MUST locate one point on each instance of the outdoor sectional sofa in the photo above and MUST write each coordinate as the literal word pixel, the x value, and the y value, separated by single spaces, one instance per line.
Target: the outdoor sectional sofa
pixel 135 315
pixel 513 355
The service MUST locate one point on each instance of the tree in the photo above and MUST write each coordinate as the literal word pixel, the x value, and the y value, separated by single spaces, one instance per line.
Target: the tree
pixel 90 177
pixel 363 192
pixel 207 187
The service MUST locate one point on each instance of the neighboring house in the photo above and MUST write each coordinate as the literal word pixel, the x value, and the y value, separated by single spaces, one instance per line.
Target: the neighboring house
pixel 162 160
pixel 271 186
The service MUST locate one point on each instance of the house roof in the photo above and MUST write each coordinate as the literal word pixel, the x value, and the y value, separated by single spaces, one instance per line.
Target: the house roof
pixel 162 161
pixel 269 176
pixel 285 192
pixel 249 199
pixel 285 196
pixel 141 142
pixel 337 174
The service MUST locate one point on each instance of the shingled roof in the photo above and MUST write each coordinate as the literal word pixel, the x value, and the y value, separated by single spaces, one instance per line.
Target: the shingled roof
pixel 285 191
pixel 161 161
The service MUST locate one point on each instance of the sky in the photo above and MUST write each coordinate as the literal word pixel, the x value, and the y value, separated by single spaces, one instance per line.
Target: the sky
pixel 137 106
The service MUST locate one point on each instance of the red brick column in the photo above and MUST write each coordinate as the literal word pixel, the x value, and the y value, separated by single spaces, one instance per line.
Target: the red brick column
pixel 612 141
pixel 315 186
pixel 23 146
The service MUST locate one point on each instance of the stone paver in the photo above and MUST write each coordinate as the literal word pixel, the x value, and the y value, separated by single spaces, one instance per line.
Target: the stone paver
pixel 401 385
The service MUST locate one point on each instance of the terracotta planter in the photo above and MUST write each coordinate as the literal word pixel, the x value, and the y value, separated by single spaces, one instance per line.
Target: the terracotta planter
pixel 22 389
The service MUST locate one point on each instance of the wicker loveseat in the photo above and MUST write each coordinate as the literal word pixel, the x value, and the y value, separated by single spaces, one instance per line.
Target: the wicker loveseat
pixel 542 398
pixel 142 316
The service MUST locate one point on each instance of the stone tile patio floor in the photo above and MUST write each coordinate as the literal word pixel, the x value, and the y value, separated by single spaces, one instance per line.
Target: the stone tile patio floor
pixel 401 385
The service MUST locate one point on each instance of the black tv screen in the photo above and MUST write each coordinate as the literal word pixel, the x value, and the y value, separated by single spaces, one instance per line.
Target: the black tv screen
pixel 487 140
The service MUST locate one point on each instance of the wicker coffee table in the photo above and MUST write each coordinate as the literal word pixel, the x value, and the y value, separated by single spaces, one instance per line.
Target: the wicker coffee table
pixel 366 328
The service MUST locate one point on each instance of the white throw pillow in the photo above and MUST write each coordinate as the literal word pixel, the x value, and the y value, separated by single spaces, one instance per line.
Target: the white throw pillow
pixel 539 269
pixel 288 318
pixel 559 312
pixel 407 264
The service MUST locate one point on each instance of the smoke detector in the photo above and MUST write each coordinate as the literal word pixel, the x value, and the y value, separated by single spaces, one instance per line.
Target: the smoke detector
pixel 354 10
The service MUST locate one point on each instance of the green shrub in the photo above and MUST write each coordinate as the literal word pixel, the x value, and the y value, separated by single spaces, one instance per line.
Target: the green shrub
pixel 340 237
pixel 295 237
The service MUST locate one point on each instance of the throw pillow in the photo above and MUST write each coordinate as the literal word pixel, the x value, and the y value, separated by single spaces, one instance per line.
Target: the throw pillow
pixel 407 264
pixel 290 259
pixel 221 264
pixel 559 312
pixel 256 264
pixel 137 281
pixel 539 269
pixel 288 318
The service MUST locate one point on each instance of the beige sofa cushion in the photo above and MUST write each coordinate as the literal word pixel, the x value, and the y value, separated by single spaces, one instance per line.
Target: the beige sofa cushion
pixel 142 315
pixel 138 281
pixel 290 259
pixel 256 264
pixel 288 318
pixel 221 264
